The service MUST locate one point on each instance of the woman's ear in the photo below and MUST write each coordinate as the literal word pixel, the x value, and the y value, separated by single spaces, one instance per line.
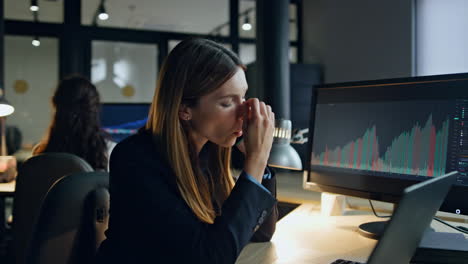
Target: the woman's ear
pixel 185 112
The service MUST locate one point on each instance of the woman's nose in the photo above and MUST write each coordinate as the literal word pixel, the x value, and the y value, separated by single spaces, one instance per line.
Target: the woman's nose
pixel 241 110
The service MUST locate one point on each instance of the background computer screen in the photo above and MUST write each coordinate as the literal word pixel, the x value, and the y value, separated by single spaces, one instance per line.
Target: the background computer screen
pixel 123 120
pixel 372 139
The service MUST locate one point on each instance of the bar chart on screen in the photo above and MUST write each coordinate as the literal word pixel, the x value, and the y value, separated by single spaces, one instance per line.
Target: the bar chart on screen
pixel 402 137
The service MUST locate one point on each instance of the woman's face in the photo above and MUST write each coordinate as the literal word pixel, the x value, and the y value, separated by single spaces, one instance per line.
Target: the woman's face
pixel 218 115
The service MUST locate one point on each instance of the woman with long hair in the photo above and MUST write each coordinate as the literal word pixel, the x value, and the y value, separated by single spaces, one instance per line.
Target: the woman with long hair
pixel 75 126
pixel 173 197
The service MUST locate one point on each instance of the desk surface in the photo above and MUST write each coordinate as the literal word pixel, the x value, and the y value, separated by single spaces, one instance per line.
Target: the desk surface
pixel 289 189
pixel 7 189
pixel 305 236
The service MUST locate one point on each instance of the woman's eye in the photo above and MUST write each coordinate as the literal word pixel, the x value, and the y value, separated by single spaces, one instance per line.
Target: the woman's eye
pixel 225 104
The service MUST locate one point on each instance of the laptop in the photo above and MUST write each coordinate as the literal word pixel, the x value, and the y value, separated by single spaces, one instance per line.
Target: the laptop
pixel 412 217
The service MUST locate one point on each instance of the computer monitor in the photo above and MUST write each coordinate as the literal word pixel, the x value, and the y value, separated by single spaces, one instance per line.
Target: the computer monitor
pixel 372 139
pixel 121 120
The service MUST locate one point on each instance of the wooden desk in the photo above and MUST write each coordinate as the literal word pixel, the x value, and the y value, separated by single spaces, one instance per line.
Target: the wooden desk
pixel 7 189
pixel 304 236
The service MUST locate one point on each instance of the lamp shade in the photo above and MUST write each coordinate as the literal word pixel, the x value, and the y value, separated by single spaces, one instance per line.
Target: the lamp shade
pixel 6 108
pixel 285 157
pixel 282 154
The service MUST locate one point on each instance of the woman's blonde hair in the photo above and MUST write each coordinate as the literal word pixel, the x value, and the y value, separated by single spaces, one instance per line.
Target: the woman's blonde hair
pixel 194 68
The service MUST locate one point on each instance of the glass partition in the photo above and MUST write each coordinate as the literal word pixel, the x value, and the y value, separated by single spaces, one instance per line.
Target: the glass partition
pixel 31 75
pixel 124 72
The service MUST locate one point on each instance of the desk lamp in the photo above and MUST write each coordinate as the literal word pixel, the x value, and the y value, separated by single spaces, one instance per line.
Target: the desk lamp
pixel 6 108
pixel 282 154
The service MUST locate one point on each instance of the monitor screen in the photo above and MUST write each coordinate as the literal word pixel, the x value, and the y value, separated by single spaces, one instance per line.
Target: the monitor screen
pixel 372 139
pixel 123 120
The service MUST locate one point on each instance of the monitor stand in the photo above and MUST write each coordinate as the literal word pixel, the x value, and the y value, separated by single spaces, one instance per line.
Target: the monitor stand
pixel 372 230
pixel 375 229
pixel 332 204
pixel 335 204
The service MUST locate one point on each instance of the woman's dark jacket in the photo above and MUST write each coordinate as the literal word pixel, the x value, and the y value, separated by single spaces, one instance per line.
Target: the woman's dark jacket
pixel 151 223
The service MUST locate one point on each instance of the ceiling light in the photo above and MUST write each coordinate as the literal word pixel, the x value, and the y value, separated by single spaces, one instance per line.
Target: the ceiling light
pixel 102 12
pixel 34 6
pixel 36 42
pixel 246 26
pixel 103 16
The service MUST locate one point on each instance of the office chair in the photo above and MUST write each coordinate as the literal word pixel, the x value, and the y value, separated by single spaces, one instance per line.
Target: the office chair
pixel 35 177
pixel 72 220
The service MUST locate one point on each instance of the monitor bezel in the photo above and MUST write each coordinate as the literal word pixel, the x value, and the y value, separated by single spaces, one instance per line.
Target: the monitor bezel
pixel 383 188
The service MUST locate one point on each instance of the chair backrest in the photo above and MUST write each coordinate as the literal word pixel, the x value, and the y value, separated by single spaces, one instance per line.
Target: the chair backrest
pixel 35 177
pixel 72 221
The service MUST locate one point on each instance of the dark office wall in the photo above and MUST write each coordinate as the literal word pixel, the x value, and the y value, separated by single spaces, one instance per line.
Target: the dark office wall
pixel 359 39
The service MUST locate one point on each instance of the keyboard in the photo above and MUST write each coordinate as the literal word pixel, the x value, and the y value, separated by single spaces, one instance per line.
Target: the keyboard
pixel 342 261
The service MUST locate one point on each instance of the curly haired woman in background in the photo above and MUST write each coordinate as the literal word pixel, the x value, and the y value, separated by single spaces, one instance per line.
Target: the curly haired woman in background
pixel 75 126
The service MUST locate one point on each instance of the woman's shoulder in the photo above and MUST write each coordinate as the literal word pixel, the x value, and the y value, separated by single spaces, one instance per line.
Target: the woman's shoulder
pixel 140 153
pixel 139 146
